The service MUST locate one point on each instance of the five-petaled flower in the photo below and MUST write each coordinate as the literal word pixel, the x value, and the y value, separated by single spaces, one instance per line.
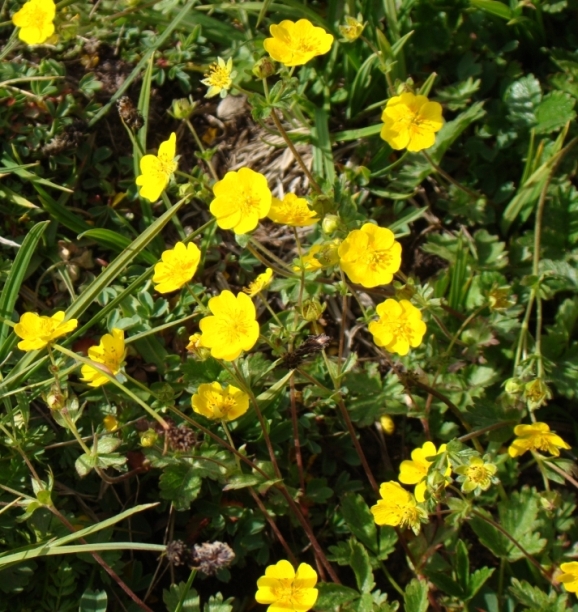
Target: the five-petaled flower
pixel 109 354
pixel 295 43
pixel 156 170
pixel 370 256
pixel 219 78
pixel 536 437
pixel 293 211
pixel 569 577
pixel 232 328
pixel 214 402
pixel 411 122
pixel 259 283
pixel 35 20
pixel 241 199
pixel 477 475
pixel 397 508
pixel 38 331
pixel 415 471
pixel 399 326
pixel 286 590
pixel 177 267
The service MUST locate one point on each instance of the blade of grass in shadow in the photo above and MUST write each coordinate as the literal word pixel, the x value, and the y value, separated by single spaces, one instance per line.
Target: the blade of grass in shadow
pixel 89 295
pixel 16 277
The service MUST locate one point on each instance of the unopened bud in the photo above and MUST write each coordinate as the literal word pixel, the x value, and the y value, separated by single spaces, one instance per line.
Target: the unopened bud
pixel 312 309
pixel 182 108
pixel 352 29
pixel 110 422
pixel 55 398
pixel 514 386
pixel 148 438
pixel 330 223
pixel 387 424
pixel 264 68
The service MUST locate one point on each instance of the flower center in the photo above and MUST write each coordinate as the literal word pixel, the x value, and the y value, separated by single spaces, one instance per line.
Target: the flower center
pixel 218 76
pixel 38 18
pixel 409 516
pixel 286 592
pixel 478 474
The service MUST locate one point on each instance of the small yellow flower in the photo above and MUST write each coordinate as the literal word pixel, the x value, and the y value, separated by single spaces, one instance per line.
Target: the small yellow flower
pixel 177 267
pixel 415 471
pixel 233 327
pixel 411 122
pixel 286 590
pixel 219 78
pixel 536 437
pixel 569 578
pixel 294 44
pixel 241 199
pixel 110 422
pixel 37 331
pixel 156 170
pixel 399 326
pixel 397 507
pixel 352 29
pixel 109 353
pixel 214 402
pixel 35 21
pixel 370 256
pixel 477 476
pixel 387 424
pixel 292 211
pixel 195 343
pixel 259 283
pixel 320 256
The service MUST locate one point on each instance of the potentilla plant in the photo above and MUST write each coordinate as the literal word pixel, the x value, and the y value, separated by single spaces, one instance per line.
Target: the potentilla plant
pixel 317 427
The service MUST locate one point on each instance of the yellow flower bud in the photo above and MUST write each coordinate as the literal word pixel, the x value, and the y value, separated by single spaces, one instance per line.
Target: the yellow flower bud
pixel 148 438
pixel 110 422
pixel 387 424
pixel 312 309
pixel 264 68
pixel 330 223
pixel 182 108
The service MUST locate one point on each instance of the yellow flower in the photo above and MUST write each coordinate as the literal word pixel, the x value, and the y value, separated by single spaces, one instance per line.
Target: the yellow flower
pixel 156 170
pixel 232 328
pixel 570 576
pixel 387 424
pixel 110 422
pixel 370 256
pixel 411 122
pixel 177 266
pixel 37 331
pixel 219 78
pixel 35 21
pixel 294 44
pixel 292 211
pixel 259 283
pixel 399 326
pixel 536 437
pixel 397 507
pixel 415 471
pixel 477 475
pixel 214 402
pixel 352 29
pixel 286 590
pixel 241 199
pixel 109 353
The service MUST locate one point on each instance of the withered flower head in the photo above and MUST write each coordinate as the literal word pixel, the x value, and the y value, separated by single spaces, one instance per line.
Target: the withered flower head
pixel 178 553
pixel 210 557
pixel 310 346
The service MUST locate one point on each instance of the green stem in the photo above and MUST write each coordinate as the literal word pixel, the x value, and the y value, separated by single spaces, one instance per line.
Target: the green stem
pixel 186 590
pixel 451 179
pixel 202 149
pixel 116 383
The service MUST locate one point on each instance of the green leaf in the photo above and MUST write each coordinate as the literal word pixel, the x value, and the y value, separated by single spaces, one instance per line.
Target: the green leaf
pixel 361 567
pixel 93 601
pixel 180 484
pixel 359 520
pixel 554 112
pixel 85 464
pixel 415 596
pixel 522 99
pixel 241 481
pixel 15 279
pixel 191 602
pixel 217 604
pixel 322 154
pixel 535 599
pixel 331 596
pixel 519 518
pixel 494 8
